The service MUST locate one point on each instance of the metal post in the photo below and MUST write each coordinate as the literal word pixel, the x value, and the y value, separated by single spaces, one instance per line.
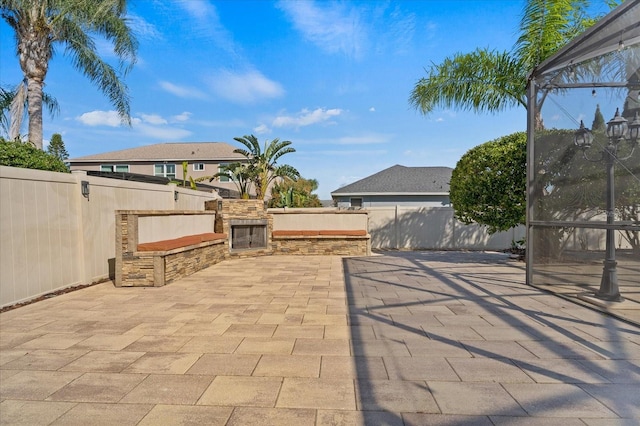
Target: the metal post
pixel 609 284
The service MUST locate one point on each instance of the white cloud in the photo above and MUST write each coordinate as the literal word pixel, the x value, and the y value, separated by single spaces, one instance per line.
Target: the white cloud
pixel 261 129
pixel 372 109
pixel 330 26
pixel 153 119
pixel 245 88
pixel 185 116
pixel 446 114
pixel 100 118
pixel 151 125
pixel 203 21
pixel 182 91
pixel 398 32
pixel 142 28
pixel 353 28
pixel 306 117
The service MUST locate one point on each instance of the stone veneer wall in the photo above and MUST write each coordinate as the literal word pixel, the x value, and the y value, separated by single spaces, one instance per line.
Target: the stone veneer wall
pixel 340 246
pixel 178 265
pixel 148 269
pixel 228 210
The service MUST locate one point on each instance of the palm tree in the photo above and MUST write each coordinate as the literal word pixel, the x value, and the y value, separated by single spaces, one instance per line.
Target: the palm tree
pixel 263 167
pixel 6 98
pixel 40 25
pixel 490 81
pixel 239 173
pixel 13 104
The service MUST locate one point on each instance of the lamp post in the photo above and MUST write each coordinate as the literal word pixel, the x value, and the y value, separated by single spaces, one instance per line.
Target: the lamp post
pixel 617 131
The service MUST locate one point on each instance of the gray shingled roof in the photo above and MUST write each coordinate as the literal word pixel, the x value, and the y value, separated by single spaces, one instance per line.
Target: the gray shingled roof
pixel 173 151
pixel 401 180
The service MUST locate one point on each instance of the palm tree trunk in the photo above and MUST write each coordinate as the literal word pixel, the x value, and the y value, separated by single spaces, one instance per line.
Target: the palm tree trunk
pixel 34 101
pixel 539 123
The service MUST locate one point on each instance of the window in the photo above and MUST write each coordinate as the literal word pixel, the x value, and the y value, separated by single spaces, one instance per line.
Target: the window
pixel 198 167
pixel 356 202
pixel 165 170
pixel 220 170
pixel 121 168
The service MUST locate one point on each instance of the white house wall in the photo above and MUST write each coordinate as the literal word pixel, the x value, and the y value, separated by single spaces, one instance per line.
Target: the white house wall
pixel 396 200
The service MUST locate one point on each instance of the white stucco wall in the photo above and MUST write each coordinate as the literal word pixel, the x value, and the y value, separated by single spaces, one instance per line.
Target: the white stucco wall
pixel 53 237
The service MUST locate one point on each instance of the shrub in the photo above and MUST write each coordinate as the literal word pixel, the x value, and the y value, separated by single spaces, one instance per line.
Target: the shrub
pixel 18 154
pixel 488 184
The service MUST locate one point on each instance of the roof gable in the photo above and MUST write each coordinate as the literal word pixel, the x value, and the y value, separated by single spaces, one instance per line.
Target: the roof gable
pixel 401 180
pixel 172 151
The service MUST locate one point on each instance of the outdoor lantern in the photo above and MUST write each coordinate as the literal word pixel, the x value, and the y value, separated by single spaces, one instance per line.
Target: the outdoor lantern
pixel 583 137
pixel 634 128
pixel 617 126
pixel 84 188
pixel 617 130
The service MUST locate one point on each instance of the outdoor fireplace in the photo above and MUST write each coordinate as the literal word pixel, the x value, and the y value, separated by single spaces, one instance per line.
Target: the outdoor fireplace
pixel 248 234
pixel 247 225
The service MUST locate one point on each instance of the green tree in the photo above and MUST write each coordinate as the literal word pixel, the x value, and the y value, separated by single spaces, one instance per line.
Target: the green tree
pixel 263 169
pixel 491 81
pixel 56 147
pixel 18 154
pixel 488 184
pixel 295 193
pixel 40 25
pixel 598 124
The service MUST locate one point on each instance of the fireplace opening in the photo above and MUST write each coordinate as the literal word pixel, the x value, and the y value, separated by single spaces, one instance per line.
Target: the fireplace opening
pixel 248 234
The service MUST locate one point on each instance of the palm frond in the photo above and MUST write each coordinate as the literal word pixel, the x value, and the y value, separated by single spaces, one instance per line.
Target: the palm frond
pixel 482 81
pixel 546 26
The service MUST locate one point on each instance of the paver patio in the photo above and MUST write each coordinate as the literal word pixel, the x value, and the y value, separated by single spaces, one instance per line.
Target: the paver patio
pixel 420 338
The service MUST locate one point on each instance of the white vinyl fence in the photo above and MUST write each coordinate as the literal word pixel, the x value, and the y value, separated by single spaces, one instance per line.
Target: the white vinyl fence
pixel 53 237
pixel 432 228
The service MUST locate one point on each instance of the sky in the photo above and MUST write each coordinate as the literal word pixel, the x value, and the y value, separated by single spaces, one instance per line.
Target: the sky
pixel 333 78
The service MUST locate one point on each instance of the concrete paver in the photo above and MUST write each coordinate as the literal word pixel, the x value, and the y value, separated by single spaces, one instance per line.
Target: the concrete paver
pixel 474 398
pixel 173 389
pixel 30 413
pixel 415 338
pixel 288 366
pixel 178 415
pixel 242 391
pixel 337 394
pixel 249 416
pixel 557 400
pixel 103 414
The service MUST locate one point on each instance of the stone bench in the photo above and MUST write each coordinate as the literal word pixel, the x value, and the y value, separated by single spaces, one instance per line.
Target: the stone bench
pixel 157 263
pixel 339 242
pixel 183 243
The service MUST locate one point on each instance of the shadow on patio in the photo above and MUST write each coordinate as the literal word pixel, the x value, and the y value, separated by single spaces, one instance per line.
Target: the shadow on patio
pixel 479 342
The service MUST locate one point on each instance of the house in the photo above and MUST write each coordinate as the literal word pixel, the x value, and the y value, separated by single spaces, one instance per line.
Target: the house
pixel 165 160
pixel 398 185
